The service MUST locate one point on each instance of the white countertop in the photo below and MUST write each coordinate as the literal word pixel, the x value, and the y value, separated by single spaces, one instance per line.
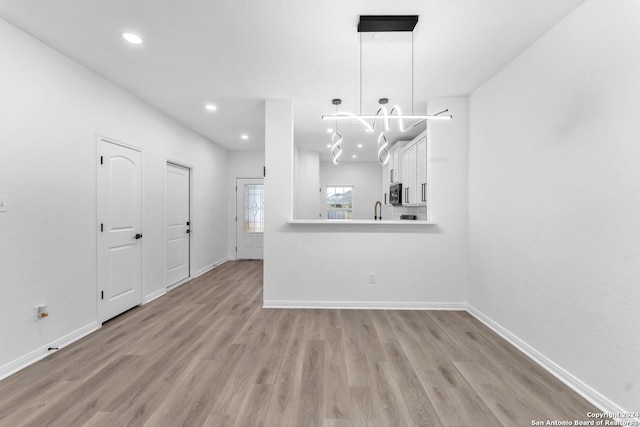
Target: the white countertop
pixel 359 222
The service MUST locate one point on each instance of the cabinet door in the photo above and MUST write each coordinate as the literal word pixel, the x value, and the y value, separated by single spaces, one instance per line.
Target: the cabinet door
pixel 385 183
pixel 394 162
pixel 421 173
pixel 408 170
pixel 404 160
pixel 413 187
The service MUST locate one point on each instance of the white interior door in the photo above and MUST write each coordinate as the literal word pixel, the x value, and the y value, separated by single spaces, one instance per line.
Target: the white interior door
pixel 120 229
pixel 178 224
pixel 249 218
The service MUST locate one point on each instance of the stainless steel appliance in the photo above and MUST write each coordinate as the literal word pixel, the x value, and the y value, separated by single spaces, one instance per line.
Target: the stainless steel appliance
pixel 395 194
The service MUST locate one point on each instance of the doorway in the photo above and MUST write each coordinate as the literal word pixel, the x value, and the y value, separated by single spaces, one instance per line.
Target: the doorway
pixel 178 224
pixel 119 228
pixel 249 218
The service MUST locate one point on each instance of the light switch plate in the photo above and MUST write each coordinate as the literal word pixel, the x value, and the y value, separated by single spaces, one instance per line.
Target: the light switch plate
pixel 3 203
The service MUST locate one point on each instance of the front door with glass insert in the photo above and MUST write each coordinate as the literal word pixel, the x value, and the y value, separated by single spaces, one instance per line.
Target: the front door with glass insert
pixel 249 218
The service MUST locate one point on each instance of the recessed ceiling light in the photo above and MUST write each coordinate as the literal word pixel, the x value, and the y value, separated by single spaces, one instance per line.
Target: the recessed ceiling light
pixel 359 145
pixel 354 156
pixel 132 38
pixel 329 130
pixel 210 107
pixel 328 145
pixel 244 136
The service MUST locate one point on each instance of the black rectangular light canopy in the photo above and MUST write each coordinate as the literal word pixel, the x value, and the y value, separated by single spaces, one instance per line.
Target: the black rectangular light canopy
pixel 386 23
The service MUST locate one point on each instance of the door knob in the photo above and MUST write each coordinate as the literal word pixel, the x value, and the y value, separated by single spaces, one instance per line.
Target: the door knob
pixel 138 236
pixel 188 231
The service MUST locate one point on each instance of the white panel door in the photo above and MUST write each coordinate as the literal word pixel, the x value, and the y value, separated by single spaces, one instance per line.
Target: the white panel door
pixel 178 224
pixel 249 218
pixel 120 230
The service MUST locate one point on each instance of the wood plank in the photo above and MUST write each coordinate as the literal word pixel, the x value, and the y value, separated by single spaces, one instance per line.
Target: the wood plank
pixel 270 364
pixel 419 406
pixel 284 399
pixel 255 406
pixel 102 419
pixel 336 390
pixel 311 406
pixel 363 410
pixel 358 368
pixel 389 397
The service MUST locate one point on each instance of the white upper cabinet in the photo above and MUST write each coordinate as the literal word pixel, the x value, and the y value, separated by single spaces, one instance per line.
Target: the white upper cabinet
pixel 395 163
pixel 413 160
pixel 407 165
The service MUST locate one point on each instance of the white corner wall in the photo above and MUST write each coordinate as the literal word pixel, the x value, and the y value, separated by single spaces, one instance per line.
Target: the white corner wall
pixel 555 200
pixel 241 164
pixel 366 178
pixel 329 266
pixel 52 110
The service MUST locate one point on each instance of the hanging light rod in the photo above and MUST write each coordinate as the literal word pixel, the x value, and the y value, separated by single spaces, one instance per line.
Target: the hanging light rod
pixel 345 116
pixel 386 116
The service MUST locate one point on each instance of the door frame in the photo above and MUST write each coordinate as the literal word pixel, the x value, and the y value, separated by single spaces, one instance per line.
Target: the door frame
pixel 99 138
pixel 235 223
pixel 192 265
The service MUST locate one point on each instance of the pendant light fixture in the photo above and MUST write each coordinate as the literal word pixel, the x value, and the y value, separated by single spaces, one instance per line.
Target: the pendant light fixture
pixel 336 138
pixel 377 24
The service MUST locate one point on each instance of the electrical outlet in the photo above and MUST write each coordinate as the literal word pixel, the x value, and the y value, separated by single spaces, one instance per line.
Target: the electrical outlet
pixel 40 311
pixel 372 277
pixel 3 203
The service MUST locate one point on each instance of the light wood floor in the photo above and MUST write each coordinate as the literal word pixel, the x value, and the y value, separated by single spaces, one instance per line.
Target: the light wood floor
pixel 208 354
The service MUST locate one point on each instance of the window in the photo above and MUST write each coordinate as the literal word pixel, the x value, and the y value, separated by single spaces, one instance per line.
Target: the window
pixel 253 208
pixel 339 202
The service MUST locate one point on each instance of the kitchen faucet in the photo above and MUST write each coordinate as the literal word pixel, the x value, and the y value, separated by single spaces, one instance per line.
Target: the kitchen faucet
pixel 375 211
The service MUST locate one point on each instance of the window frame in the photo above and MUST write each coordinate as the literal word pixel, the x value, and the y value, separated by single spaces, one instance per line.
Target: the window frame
pixel 260 209
pixel 328 208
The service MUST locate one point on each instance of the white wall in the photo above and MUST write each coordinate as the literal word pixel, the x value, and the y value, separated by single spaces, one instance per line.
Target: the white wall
pixel 240 164
pixel 278 184
pixel 52 110
pixel 306 184
pixel 415 265
pixel 555 198
pixel 366 179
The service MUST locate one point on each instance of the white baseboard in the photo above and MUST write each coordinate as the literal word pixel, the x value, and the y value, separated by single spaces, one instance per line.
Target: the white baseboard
pixel 42 352
pixel 153 295
pixel 211 266
pixel 595 398
pixel 366 305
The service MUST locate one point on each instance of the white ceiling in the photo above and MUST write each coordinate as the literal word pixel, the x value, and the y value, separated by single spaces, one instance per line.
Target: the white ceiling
pixel 236 53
